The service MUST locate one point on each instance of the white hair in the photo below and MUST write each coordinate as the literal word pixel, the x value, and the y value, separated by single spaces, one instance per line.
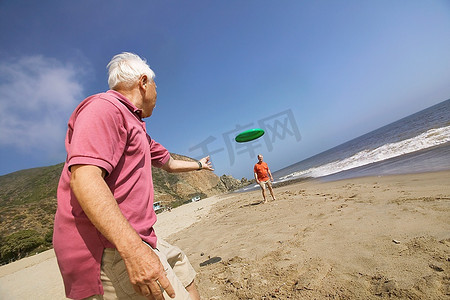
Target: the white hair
pixel 126 68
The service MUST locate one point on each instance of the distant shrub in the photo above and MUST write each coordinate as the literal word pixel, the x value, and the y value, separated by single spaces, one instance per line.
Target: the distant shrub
pixel 178 202
pixel 48 238
pixel 49 208
pixel 19 244
pixel 19 218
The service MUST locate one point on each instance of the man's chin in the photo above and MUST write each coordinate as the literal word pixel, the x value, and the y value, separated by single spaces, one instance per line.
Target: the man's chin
pixel 147 115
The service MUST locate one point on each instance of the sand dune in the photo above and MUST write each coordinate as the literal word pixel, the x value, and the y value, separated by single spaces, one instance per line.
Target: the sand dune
pixel 366 238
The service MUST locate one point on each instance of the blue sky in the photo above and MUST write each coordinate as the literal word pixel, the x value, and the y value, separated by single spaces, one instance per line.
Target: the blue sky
pixel 313 74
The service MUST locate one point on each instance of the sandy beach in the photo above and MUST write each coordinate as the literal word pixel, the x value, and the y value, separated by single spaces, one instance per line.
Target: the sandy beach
pixel 365 238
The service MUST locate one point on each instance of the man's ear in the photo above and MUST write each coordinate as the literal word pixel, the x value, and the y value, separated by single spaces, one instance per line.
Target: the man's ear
pixel 143 80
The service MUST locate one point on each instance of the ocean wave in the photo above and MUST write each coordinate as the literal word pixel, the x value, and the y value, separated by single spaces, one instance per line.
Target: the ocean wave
pixel 430 138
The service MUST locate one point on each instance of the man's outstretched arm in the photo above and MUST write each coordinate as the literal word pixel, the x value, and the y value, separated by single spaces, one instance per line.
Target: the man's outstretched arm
pixel 178 166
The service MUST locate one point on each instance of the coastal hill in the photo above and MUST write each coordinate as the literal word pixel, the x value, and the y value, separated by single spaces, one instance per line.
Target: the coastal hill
pixel 28 203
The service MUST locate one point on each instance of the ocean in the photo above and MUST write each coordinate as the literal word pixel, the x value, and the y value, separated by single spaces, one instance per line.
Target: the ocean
pixel 414 144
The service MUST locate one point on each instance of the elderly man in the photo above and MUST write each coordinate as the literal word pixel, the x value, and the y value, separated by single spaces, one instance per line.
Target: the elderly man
pixel 104 239
pixel 262 173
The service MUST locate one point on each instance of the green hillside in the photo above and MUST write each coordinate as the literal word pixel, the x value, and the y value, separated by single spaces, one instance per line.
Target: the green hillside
pixel 27 207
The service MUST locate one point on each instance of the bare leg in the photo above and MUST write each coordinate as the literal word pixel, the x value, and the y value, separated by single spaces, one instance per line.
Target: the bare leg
pixel 263 190
pixel 193 292
pixel 271 192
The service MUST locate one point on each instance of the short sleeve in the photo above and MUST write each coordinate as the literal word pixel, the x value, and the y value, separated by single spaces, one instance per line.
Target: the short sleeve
pixel 98 135
pixel 160 155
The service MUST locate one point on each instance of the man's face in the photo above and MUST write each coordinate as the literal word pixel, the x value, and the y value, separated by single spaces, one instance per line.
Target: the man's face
pixel 149 99
pixel 260 158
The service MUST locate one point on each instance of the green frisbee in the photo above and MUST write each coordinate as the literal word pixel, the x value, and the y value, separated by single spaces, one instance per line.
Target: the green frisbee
pixel 249 135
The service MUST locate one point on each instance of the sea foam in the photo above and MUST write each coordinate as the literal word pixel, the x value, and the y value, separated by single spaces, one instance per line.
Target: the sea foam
pixel 428 139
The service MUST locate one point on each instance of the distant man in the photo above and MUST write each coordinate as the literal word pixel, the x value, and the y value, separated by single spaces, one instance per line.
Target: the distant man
pixel 103 238
pixel 262 174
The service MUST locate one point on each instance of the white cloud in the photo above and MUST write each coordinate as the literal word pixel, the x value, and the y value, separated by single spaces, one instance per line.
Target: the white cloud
pixel 37 95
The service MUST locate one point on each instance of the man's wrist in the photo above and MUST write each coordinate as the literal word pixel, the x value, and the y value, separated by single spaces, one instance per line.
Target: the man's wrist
pixel 200 166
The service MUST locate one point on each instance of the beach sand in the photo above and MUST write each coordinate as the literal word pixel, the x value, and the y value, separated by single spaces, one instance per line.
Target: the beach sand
pixel 365 238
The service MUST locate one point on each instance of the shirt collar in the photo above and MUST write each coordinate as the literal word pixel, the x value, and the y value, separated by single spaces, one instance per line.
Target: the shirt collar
pixel 126 102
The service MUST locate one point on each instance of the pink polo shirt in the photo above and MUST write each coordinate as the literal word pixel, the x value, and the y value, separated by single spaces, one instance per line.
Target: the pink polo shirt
pixel 105 130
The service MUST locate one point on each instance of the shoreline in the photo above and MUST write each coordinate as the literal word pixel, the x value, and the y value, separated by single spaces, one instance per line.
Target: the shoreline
pixel 411 209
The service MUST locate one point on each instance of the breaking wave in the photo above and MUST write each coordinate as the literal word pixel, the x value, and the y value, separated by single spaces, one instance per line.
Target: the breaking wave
pixel 428 139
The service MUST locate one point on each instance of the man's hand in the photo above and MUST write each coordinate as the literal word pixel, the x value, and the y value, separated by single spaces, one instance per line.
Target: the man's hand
pixel 146 273
pixel 206 164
